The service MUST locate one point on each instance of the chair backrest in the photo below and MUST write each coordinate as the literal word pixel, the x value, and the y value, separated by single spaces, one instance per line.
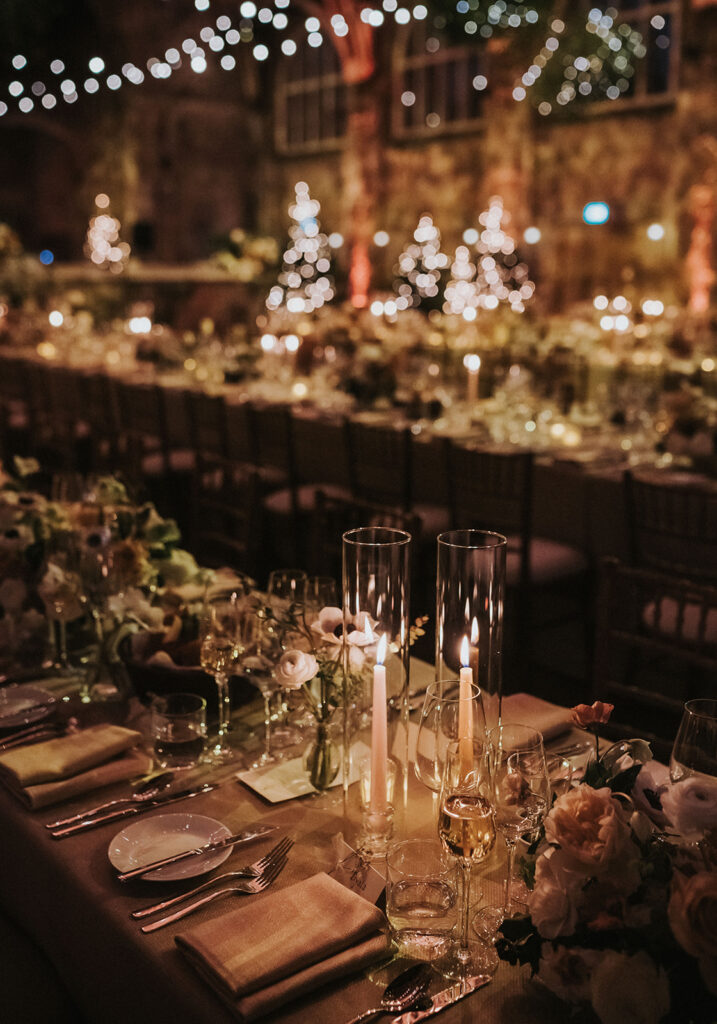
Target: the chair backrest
pixel 321 450
pixel 141 413
pixel 207 415
pixel 332 517
pixel 655 647
pixel 493 491
pixel 672 526
pixel 225 530
pixel 241 447
pixel 271 433
pixel 381 463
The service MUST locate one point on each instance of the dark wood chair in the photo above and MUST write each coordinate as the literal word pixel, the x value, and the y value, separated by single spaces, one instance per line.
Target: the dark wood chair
pixel 672 525
pixel 333 516
pixel 655 648
pixel 381 463
pixel 547 581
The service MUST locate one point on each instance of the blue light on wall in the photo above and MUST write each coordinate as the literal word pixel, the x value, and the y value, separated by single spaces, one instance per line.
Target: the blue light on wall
pixel 596 213
pixel 46 257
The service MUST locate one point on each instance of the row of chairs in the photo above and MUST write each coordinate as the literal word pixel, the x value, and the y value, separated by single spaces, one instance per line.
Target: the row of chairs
pixel 656 631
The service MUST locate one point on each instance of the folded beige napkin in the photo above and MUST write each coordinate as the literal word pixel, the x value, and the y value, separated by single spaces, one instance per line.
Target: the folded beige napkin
pixel 525 709
pixel 290 942
pixel 45 773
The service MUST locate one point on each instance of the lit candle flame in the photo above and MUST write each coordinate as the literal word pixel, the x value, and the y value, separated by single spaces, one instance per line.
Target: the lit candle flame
pixel 465 652
pixel 367 631
pixel 474 632
pixel 381 650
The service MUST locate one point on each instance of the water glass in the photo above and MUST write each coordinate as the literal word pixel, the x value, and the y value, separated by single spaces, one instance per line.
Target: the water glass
pixel 178 729
pixel 422 898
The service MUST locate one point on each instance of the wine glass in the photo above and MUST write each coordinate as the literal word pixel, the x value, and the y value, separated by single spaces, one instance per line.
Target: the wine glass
pixel 286 591
pixel 521 799
pixel 262 651
pixel 466 830
pixel 438 727
pixel 694 751
pixel 319 592
pixel 62 593
pixel 222 643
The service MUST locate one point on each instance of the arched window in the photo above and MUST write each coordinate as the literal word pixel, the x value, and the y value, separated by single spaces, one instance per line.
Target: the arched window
pixel 310 100
pixel 438 86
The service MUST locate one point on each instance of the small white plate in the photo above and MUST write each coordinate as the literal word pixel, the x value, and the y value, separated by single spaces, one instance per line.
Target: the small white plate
pixel 22 705
pixel 163 836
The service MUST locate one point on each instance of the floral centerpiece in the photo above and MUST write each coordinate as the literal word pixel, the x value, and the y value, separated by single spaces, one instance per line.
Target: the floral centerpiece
pixel 623 909
pixel 331 664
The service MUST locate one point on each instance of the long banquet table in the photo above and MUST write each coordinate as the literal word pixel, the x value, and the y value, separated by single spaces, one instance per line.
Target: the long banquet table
pixel 66 896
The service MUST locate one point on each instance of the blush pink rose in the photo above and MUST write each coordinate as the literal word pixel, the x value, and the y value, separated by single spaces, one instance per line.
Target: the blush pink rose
pixel 556 896
pixel 592 829
pixel 295 668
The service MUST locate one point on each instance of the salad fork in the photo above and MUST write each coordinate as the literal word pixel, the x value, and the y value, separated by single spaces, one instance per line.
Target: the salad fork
pixel 246 887
pixel 250 871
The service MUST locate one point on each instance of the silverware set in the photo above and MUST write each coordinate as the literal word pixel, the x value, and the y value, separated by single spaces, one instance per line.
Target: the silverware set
pixel 34 734
pixel 146 790
pixel 247 881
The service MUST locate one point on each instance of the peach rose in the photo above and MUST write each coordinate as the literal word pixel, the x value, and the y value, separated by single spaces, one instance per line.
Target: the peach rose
pixel 592 829
pixel 585 715
pixel 295 668
pixel 692 913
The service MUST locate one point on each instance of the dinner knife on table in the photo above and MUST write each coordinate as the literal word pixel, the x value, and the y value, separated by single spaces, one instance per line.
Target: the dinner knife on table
pixel 245 836
pixel 126 812
pixel 445 998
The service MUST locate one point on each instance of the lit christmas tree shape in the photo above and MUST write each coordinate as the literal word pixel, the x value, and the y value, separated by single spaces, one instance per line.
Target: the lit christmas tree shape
pixel 420 267
pixel 304 282
pixel 500 277
pixel 102 244
pixel 461 294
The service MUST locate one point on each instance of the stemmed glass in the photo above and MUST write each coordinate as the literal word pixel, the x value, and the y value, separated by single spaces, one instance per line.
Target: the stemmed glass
pixel 286 591
pixel 467 832
pixel 222 643
pixel 262 651
pixel 438 728
pixel 694 751
pixel 521 799
pixel 62 594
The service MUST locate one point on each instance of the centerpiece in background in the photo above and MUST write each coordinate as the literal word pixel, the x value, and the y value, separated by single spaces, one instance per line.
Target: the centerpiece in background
pixel 469 613
pixel 376 585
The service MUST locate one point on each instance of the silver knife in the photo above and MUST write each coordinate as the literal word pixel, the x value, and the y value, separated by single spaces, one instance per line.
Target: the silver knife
pixel 447 997
pixel 245 836
pixel 126 812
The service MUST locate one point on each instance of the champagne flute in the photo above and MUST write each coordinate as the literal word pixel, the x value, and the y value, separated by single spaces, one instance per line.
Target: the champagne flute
pixel 466 830
pixel 221 647
pixel 521 799
pixel 62 594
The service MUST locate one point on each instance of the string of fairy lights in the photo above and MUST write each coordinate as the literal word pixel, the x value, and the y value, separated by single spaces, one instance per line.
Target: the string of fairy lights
pixel 617 47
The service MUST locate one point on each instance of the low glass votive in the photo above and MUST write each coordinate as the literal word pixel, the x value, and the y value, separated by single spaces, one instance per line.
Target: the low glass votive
pixel 178 729
pixel 376 819
pixel 422 887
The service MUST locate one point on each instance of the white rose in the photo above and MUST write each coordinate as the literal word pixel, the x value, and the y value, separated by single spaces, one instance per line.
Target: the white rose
pixel 691 805
pixel 629 988
pixel 566 972
pixel 556 897
pixel 12 595
pixel 295 668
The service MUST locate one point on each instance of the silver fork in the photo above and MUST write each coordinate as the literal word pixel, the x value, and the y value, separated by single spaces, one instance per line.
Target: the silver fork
pixel 250 871
pixel 249 887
